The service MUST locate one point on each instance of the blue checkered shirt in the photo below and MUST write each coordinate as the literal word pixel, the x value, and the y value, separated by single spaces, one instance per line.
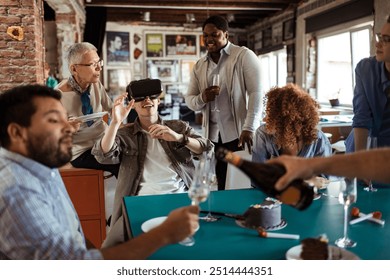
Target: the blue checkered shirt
pixel 37 217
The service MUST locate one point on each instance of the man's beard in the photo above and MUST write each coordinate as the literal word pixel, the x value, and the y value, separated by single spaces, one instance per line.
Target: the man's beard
pixel 46 152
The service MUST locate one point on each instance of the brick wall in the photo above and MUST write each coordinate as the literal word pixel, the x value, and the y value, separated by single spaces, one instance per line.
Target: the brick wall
pixel 21 61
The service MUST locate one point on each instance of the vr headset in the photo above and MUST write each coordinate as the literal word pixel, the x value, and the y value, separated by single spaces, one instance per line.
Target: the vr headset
pixel 141 89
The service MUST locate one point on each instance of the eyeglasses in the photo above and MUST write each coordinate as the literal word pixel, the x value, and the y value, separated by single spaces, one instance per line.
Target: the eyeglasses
pixel 93 64
pixel 142 98
pixel 384 39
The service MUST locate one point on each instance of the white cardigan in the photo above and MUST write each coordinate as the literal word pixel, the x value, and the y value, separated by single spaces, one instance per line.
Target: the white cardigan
pixel 243 86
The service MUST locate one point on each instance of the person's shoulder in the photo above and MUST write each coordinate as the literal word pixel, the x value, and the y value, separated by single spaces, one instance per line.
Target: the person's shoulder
pixel 63 86
pixel 262 132
pixel 367 62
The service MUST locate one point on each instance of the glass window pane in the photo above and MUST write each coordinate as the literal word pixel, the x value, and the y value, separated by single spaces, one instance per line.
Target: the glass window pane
pixel 334 68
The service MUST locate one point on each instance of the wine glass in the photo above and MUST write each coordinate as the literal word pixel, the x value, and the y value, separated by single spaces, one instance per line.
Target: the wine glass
pixel 347 196
pixel 372 143
pixel 211 181
pixel 198 192
pixel 216 82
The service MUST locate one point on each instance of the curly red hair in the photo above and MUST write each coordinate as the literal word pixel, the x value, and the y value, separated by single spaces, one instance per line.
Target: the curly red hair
pixel 291 115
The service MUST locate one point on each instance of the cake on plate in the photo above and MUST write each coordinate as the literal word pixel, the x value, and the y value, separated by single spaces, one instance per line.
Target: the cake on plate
pixel 314 249
pixel 266 215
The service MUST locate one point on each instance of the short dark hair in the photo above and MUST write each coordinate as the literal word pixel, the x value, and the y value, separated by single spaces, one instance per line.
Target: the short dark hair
pixel 17 106
pixel 219 22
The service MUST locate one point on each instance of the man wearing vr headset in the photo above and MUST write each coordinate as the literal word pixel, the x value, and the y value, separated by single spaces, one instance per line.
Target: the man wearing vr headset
pixel 155 156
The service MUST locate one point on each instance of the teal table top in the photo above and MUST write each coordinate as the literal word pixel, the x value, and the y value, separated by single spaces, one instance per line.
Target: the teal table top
pixel 225 240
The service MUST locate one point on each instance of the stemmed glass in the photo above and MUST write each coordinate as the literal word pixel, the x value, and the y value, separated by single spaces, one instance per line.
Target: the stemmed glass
pixel 216 82
pixel 372 143
pixel 198 192
pixel 212 183
pixel 347 196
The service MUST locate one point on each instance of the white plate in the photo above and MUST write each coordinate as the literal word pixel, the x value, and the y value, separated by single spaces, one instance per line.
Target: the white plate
pixel 152 223
pixel 336 252
pixel 90 117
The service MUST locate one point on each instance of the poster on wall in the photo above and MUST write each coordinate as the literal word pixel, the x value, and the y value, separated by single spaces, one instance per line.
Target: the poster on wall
pixel 118 48
pixel 165 70
pixel 288 29
pixel 203 50
pixel 154 45
pixel 180 44
pixel 177 91
pixel 117 80
pixel 186 68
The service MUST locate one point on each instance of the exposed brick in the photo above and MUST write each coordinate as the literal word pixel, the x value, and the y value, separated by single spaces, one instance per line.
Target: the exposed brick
pixel 11 20
pixel 9 53
pixel 20 11
pixel 9 3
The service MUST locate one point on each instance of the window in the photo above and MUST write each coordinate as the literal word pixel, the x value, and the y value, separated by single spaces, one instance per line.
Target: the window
pixel 273 69
pixel 338 54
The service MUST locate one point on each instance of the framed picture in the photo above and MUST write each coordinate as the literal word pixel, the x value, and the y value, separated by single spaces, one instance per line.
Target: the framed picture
pixel 117 81
pixel 202 46
pixel 177 91
pixel 180 44
pixel 277 33
pixel 186 68
pixel 290 58
pixel 288 29
pixel 137 67
pixel 165 70
pixel 118 48
pixel 154 45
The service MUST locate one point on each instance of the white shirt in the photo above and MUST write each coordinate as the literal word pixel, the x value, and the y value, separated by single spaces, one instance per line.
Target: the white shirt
pixel 222 121
pixel 158 176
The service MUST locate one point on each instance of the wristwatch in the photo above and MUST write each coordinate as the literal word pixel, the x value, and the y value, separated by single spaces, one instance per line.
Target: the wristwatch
pixel 185 140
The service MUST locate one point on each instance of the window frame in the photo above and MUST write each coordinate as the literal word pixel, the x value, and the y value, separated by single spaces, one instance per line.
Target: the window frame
pixel 350 27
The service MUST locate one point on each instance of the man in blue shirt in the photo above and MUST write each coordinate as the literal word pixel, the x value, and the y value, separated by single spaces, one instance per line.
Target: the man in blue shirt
pixel 371 102
pixel 37 217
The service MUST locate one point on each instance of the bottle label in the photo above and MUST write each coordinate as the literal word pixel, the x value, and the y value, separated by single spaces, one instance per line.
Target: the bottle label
pixel 290 196
pixel 233 159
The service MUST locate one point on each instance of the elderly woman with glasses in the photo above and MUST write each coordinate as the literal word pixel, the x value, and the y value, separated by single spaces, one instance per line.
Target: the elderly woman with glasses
pixel 371 101
pixel 83 95
pixel 155 155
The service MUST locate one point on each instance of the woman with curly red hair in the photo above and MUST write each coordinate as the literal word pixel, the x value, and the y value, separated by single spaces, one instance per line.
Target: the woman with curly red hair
pixel 290 126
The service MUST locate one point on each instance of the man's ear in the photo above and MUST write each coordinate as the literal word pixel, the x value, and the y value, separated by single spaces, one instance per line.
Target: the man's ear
pixel 16 132
pixel 227 35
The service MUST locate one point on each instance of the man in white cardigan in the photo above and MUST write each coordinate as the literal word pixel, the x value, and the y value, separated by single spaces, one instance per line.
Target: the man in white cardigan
pixel 239 102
